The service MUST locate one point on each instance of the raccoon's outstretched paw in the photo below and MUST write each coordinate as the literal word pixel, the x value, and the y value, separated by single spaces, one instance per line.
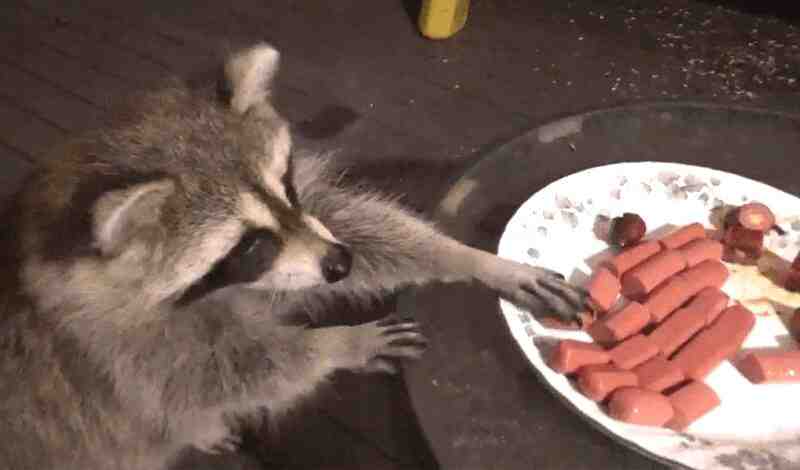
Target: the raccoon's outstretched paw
pixel 384 342
pixel 544 293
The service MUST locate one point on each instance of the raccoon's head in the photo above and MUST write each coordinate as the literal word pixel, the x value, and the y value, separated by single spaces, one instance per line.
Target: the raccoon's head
pixel 196 194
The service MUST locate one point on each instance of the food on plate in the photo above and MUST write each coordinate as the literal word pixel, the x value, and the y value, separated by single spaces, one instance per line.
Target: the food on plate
pixel 642 279
pixel 755 216
pixel 620 324
pixel 596 382
pixel 672 325
pixel 639 406
pixel 718 342
pixel 710 301
pixel 632 256
pixel 603 288
pixel 632 352
pixel 691 402
pixel 627 229
pixel 794 324
pixel 677 330
pixel 569 355
pixel 683 236
pixel 670 295
pixel 702 249
pixel 771 366
pixel 658 374
pixel 709 273
pixel 750 242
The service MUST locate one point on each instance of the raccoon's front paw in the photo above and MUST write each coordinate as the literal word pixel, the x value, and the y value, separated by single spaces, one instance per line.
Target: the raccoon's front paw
pixel 542 292
pixel 377 346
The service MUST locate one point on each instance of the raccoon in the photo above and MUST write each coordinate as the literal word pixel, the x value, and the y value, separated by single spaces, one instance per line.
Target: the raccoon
pixel 159 276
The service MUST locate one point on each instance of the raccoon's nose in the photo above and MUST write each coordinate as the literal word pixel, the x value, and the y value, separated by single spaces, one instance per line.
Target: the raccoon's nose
pixel 336 263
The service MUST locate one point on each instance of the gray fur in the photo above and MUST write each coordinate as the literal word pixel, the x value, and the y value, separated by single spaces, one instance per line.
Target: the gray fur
pixel 102 367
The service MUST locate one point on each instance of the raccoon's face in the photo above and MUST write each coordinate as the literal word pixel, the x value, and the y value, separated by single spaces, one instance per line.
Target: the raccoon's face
pixel 210 201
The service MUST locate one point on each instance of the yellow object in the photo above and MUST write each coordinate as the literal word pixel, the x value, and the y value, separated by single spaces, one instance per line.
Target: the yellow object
pixel 440 19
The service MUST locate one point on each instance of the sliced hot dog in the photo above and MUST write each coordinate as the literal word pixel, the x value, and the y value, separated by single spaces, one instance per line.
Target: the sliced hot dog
pixel 710 301
pixel 677 330
pixel 603 288
pixel 632 352
pixel 755 216
pixel 709 273
pixel 697 251
pixel 683 236
pixel 690 403
pixel 667 297
pixel 632 256
pixel 570 355
pixel 620 324
pixel 598 381
pixel 641 280
pixel 751 242
pixel 658 374
pixel 639 406
pixel 771 366
pixel 718 342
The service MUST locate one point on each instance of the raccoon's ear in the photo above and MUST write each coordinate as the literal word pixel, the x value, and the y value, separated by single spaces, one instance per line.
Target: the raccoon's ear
pixel 118 215
pixel 248 76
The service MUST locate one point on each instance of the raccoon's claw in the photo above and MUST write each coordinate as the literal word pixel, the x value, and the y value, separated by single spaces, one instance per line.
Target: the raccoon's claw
pixel 543 292
pixel 380 344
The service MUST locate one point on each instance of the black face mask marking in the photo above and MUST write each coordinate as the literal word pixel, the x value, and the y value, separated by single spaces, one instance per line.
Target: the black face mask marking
pixel 246 262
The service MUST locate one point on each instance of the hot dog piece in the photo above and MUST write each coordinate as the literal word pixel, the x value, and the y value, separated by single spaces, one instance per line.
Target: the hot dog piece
pixel 710 301
pixel 697 251
pixel 667 297
pixel 755 216
pixel 632 256
pixel 632 352
pixel 677 330
pixel 639 406
pixel 639 281
pixel 603 289
pixel 716 343
pixel 751 242
pixel 570 355
pixel 598 381
pixel 683 236
pixel 620 324
pixel 709 273
pixel 771 367
pixel 690 403
pixel 658 374
pixel 627 229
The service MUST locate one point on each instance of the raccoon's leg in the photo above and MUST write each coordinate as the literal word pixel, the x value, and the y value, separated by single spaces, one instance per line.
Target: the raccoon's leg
pixel 392 247
pixel 256 366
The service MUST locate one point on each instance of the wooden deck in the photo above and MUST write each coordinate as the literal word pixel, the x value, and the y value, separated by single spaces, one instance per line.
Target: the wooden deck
pixel 404 111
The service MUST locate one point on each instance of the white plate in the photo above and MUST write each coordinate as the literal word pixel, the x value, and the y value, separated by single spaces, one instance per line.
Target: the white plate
pixel 756 426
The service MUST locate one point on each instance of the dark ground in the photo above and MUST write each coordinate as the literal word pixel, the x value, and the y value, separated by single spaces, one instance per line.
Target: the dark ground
pixel 402 110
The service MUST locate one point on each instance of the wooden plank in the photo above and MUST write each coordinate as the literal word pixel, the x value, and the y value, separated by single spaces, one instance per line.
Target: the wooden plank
pixel 62 72
pixel 49 103
pixel 98 52
pixel 13 170
pixel 443 118
pixel 24 131
pixel 170 52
